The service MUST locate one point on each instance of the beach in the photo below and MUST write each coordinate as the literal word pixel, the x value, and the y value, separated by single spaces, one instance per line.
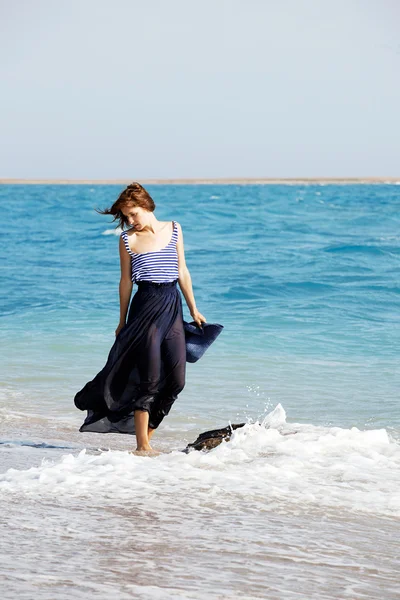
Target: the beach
pixel 303 501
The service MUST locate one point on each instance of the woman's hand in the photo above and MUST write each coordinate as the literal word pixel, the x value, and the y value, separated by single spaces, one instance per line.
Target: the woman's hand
pixel 198 317
pixel 120 326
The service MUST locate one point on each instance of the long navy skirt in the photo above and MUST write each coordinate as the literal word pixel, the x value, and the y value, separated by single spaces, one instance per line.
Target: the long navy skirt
pixel 146 365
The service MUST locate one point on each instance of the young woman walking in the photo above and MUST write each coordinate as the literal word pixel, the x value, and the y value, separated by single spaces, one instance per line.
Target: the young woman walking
pixel 146 366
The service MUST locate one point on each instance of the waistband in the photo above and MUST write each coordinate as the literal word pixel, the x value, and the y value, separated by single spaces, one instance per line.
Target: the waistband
pixel 144 284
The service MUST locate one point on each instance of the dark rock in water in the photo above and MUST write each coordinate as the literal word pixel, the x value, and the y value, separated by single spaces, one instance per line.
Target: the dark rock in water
pixel 212 439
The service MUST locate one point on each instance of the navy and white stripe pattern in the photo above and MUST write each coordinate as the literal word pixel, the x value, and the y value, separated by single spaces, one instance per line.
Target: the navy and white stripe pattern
pixel 160 266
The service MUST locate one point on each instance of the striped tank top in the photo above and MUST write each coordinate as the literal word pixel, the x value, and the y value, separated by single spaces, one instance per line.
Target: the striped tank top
pixel 160 266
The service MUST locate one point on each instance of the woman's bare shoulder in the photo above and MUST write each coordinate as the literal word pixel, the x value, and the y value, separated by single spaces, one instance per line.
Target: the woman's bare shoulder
pixel 128 232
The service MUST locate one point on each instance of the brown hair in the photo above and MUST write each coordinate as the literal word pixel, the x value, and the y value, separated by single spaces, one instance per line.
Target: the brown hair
pixel 135 194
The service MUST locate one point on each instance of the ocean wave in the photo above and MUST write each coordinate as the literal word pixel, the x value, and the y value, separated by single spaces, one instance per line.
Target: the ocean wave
pixel 114 231
pixel 272 464
pixel 349 248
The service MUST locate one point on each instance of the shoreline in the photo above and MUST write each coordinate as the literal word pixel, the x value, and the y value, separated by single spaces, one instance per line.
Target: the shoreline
pixel 211 181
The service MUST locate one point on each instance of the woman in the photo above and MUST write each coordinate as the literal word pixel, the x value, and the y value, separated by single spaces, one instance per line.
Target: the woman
pixel 145 369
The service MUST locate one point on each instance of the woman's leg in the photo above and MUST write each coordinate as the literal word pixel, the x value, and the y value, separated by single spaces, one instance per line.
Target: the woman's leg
pixel 141 429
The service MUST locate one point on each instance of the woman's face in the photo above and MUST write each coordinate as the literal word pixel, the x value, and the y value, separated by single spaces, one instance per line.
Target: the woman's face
pixel 135 215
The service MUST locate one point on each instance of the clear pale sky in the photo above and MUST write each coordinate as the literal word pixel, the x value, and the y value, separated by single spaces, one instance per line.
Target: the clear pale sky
pixel 213 88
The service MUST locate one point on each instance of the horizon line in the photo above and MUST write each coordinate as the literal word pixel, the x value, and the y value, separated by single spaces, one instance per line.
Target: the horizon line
pixel 202 181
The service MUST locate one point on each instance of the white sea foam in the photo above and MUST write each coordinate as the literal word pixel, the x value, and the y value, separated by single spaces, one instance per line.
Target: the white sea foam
pixel 116 231
pixel 278 508
pixel 272 464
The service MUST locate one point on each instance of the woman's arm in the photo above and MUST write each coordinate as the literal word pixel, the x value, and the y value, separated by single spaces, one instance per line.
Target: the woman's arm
pixel 125 284
pixel 185 281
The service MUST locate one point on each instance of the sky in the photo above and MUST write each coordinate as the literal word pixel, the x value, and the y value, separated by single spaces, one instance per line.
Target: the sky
pixel 126 89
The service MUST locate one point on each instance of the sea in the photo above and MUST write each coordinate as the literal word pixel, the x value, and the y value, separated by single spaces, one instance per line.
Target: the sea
pixel 303 501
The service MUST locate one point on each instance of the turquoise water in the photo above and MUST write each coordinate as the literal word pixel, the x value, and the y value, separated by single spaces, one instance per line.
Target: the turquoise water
pixel 305 280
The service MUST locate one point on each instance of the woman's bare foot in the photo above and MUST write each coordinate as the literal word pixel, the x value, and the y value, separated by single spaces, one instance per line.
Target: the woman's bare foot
pixel 150 452
pixel 144 448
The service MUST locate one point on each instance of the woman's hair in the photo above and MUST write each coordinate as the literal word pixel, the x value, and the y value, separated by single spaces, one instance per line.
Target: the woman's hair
pixel 134 194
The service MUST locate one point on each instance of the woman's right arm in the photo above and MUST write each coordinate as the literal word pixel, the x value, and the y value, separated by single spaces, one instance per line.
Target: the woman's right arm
pixel 125 284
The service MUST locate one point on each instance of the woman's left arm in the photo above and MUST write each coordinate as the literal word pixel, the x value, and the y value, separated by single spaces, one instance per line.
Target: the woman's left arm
pixel 185 281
